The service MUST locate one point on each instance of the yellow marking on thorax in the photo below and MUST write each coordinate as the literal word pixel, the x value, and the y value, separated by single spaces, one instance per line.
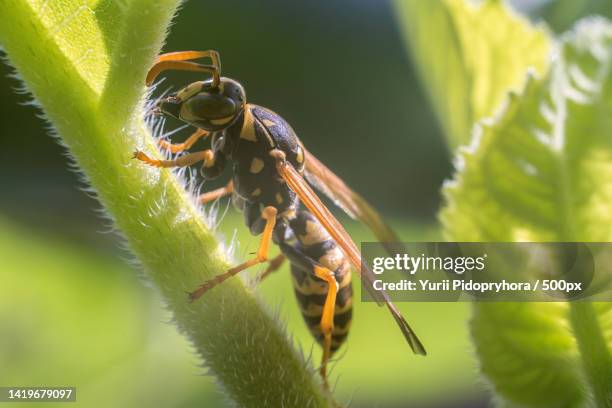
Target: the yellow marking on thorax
pixel 300 155
pixel 256 192
pixel 279 198
pixel 248 126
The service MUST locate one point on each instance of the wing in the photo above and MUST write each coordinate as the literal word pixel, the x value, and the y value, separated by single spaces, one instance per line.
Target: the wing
pixel 324 180
pixel 310 199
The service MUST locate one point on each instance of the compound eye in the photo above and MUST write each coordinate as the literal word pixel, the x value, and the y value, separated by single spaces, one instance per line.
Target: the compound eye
pixel 205 106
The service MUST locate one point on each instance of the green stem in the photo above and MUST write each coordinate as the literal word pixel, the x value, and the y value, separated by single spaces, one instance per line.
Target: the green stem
pixel 243 345
pixel 596 361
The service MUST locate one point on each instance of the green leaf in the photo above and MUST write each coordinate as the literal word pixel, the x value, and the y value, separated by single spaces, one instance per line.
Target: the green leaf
pixel 541 170
pixel 85 62
pixel 469 56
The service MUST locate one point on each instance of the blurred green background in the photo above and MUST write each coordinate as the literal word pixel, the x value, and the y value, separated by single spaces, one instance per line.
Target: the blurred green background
pixel 73 312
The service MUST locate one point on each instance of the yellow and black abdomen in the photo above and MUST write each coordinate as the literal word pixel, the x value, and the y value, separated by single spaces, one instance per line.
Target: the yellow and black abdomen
pixel 315 246
pixel 311 294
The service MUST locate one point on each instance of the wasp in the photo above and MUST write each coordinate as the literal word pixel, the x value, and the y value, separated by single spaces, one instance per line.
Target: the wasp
pixel 271 185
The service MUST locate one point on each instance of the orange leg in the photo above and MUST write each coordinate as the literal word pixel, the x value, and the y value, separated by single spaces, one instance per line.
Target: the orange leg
pixel 186 145
pixel 327 318
pixel 274 264
pixel 187 160
pixel 215 194
pixel 179 61
pixel 269 214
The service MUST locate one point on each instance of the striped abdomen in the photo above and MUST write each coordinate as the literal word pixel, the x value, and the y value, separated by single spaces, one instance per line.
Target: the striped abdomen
pixel 316 244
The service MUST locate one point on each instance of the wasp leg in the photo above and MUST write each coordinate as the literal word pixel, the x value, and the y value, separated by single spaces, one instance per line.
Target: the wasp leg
pixel 187 160
pixel 186 145
pixel 269 214
pixel 215 194
pixel 273 266
pixel 327 318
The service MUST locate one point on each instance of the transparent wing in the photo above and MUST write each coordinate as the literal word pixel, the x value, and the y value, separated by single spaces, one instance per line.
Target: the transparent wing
pixel 324 180
pixel 310 199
